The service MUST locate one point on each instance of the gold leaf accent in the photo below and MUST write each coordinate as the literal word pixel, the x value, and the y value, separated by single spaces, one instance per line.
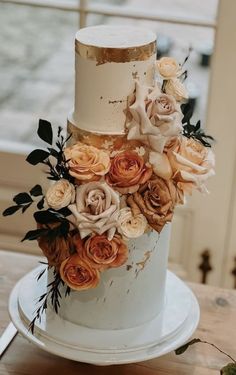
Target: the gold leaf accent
pixel 103 55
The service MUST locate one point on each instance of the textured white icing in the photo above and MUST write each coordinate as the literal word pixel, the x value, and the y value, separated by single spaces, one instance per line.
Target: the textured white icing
pixel 101 91
pixel 125 298
pixel 115 36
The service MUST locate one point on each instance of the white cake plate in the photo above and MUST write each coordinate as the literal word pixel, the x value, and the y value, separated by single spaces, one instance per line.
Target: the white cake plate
pixel 163 334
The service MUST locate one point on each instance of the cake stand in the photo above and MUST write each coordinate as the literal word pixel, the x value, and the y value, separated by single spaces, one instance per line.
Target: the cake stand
pixel 166 332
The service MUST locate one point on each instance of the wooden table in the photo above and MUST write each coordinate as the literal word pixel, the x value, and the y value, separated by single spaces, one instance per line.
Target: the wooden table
pixel 217 325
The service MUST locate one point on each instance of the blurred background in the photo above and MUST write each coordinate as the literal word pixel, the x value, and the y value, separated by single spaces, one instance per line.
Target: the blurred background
pixel 37 81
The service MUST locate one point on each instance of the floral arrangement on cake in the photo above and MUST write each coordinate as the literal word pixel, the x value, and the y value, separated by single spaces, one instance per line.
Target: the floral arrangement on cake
pixel 100 197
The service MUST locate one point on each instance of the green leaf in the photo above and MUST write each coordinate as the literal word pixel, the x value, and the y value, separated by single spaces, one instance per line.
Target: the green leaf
pixel 10 210
pixel 184 347
pixel 36 191
pixel 64 212
pixel 46 217
pixel 40 204
pixel 24 208
pixel 45 131
pixel 230 369
pixel 187 110
pixel 22 198
pixel 53 152
pixel 64 228
pixel 34 234
pixel 37 156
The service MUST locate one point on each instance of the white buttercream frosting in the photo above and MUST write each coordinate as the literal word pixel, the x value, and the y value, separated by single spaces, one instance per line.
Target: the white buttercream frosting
pixel 115 36
pixel 102 89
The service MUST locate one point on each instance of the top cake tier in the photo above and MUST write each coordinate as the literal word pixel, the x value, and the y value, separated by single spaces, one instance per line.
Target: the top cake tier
pixel 108 60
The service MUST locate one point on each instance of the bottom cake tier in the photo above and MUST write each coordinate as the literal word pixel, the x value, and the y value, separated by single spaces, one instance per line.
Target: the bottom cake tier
pixel 127 296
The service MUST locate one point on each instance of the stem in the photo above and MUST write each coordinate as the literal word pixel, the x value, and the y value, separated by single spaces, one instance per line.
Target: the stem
pixel 221 351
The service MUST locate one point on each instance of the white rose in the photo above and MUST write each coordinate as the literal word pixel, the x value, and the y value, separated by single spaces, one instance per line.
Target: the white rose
pixel 156 118
pixel 176 88
pixel 96 209
pixel 168 68
pixel 60 194
pixel 131 226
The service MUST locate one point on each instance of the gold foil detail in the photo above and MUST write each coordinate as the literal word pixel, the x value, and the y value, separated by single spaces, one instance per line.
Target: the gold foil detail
pixel 101 141
pixel 142 264
pixel 103 55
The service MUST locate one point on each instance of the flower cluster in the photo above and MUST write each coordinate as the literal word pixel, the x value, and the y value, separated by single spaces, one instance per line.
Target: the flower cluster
pixel 100 198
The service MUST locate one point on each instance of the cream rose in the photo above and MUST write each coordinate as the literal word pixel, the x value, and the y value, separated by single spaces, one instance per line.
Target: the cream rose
pixel 87 163
pixel 96 209
pixel 168 68
pixel 191 163
pixel 176 88
pixel 78 274
pixel 130 225
pixel 60 194
pixel 155 118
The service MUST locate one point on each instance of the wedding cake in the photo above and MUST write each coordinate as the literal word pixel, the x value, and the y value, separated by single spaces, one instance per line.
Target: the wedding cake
pixel 131 155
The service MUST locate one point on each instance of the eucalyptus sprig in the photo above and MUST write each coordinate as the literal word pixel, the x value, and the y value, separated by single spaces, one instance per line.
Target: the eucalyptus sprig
pixel 24 200
pixel 52 157
pixel 52 294
pixel 44 219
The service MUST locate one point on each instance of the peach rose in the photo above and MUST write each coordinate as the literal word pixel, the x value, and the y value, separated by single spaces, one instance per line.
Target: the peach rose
pixel 168 68
pixel 87 163
pixel 176 88
pixel 78 274
pixel 102 253
pixel 155 118
pixel 157 199
pixel 60 194
pixel 128 171
pixel 191 163
pixel 96 209
pixel 55 249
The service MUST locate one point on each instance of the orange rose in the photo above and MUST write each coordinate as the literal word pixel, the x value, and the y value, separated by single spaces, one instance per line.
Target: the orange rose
pixel 191 163
pixel 157 199
pixel 78 274
pixel 87 163
pixel 102 253
pixel 55 249
pixel 128 171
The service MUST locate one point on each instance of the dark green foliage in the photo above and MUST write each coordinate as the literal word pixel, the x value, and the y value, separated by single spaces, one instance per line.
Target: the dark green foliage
pixel 37 156
pixel 45 131
pixel 184 347
pixel 24 200
pixel 53 294
pixel 194 131
pixel 230 369
pixel 36 191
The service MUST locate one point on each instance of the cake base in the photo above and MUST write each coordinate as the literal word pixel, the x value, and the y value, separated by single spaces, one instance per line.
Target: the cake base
pixel 166 332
